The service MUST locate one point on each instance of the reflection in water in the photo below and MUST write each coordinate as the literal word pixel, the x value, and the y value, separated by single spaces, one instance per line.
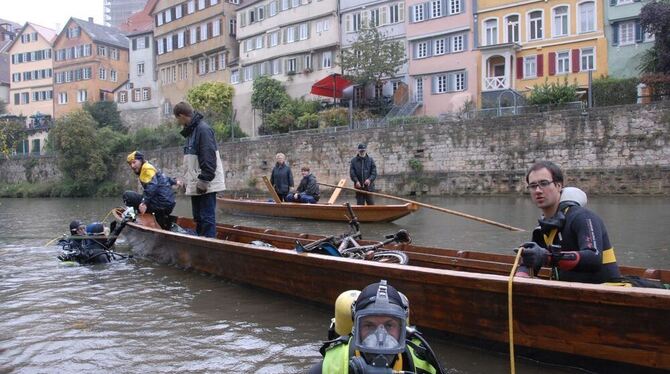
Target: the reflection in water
pixel 137 316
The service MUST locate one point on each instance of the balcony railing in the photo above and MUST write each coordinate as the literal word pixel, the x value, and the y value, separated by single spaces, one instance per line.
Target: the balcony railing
pixel 495 83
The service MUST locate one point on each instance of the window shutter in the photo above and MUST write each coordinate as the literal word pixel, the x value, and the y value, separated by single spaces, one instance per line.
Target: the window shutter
pixel 613 2
pixel 465 41
pixel 134 44
pixel 175 43
pixel 519 68
pixel 465 81
pixel 285 37
pixel 429 48
pixel 308 28
pixel 638 31
pixel 401 12
pixel 447 44
pixel 426 10
pixel 347 23
pixel 552 63
pixel 383 15
pixel 412 17
pixel 462 5
pixel 540 65
pixel 433 85
pixel 575 60
pixel 148 93
pixel 615 33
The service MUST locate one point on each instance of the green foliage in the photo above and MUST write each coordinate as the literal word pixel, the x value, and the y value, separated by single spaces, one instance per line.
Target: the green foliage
pixel 165 135
pixel 553 93
pixel 294 114
pixel 372 57
pixel 268 94
pixel 655 19
pixel 224 131
pixel 416 165
pixel 106 114
pixel 334 117
pixel 12 133
pixel 614 91
pixel 213 99
pixel 308 121
pixel 29 165
pixel 81 151
pixel 20 190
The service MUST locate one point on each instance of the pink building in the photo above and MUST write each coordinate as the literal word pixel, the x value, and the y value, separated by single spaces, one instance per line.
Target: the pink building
pixel 442 62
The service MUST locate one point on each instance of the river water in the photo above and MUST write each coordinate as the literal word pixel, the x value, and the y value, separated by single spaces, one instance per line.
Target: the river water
pixel 137 316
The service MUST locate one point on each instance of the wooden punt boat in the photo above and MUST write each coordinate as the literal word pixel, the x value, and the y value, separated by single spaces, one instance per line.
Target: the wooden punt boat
pixel 459 293
pixel 323 212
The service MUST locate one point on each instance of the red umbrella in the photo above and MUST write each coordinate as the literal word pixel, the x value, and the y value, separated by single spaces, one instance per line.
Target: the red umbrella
pixel 331 86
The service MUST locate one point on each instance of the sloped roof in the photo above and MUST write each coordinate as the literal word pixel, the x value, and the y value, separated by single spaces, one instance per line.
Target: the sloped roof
pixel 103 34
pixel 47 33
pixel 139 22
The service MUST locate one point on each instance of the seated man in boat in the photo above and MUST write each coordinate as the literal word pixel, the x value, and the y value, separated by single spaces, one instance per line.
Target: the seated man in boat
pixel 570 239
pixel 281 177
pixel 158 197
pixel 308 189
pixel 381 341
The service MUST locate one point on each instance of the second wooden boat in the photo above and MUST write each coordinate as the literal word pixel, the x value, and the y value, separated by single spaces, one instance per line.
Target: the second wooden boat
pixel 323 212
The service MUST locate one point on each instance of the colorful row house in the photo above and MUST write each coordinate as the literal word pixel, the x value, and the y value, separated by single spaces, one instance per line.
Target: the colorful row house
pixel 526 43
pixel 627 40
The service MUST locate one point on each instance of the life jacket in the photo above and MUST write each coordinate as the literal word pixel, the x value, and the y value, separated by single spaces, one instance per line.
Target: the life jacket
pixel 338 354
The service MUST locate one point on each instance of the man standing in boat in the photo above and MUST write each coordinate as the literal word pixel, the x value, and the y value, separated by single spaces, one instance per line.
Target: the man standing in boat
pixel 570 239
pixel 363 172
pixel 203 169
pixel 380 340
pixel 281 177
pixel 308 189
pixel 158 197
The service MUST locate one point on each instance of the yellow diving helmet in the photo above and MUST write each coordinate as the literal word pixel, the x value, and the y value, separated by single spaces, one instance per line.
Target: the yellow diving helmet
pixel 343 318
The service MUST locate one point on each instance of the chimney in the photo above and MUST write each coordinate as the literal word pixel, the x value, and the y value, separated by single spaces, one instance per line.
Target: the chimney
pixel 90 19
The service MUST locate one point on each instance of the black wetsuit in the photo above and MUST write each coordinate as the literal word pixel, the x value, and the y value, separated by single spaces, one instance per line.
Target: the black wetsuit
pixel 577 229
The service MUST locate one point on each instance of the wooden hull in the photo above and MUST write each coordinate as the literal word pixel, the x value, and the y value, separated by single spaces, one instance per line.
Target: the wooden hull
pixel 324 212
pixel 619 324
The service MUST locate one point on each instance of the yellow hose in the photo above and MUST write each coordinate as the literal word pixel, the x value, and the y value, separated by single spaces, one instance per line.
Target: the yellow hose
pixel 58 237
pixel 510 317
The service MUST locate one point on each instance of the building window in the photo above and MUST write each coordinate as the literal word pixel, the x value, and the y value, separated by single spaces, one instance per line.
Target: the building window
pixel 284 5
pixel 438 47
pixel 326 59
pixel 102 50
pixel 112 75
pixel 216 28
pixel 177 12
pixel 418 89
pixel 530 67
pixel 82 96
pixel 167 109
pixel 140 68
pixel 535 25
pixel 563 62
pixel 248 73
pixel 203 32
pixel 102 74
pixel 276 66
pixel 560 17
pixel 295 3
pixel 202 66
pixel 201 4
pixel 491 31
pixel 137 95
pixel 232 27
pixel 273 8
pixel 222 61
pixel 441 84
pixel 88 72
pixel 356 17
pixel 627 32
pixel 587 16
pixel 303 31
pixel 274 39
pixel 454 6
pixel 180 39
pixel 62 98
pixel 290 34
pixel 459 81
pixel 418 13
pixel 457 43
pixel 291 65
pixel 235 77
pixel 436 8
pixel 421 49
pixel 588 57
pixel 212 64
pixel 146 94
pixel 190 8
pixel 123 97
pixel 395 13
pixel 512 28
pixel 259 42
pixel 623 2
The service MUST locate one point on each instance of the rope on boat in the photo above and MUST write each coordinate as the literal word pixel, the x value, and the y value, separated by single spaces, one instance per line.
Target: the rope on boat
pixel 510 317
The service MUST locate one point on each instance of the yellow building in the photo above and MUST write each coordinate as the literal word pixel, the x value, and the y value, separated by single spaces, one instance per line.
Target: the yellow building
pixel 524 43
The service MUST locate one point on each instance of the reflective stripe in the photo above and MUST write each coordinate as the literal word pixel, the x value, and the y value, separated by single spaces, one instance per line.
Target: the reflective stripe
pixel 608 256
pixel 549 239
pixel 336 360
pixel 419 363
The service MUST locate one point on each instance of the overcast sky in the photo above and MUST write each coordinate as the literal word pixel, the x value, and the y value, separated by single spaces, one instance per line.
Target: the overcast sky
pixel 50 13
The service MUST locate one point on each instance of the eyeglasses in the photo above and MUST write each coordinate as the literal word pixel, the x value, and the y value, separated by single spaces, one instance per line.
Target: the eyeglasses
pixel 542 184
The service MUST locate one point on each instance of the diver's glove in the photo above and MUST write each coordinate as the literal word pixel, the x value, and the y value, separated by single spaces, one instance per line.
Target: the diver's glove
pixel 534 257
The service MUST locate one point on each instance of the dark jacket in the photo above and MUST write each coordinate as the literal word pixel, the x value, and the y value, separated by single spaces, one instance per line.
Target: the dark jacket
pixel 308 185
pixel 362 168
pixel 581 231
pixel 158 194
pixel 201 156
pixel 281 179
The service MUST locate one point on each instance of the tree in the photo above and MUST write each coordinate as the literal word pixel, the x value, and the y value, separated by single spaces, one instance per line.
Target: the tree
pixel 81 154
pixel 12 132
pixel 553 93
pixel 106 114
pixel 268 95
pixel 372 57
pixel 655 19
pixel 213 99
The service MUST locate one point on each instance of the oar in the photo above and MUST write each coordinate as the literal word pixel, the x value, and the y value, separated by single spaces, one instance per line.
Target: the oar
pixel 271 189
pixel 444 210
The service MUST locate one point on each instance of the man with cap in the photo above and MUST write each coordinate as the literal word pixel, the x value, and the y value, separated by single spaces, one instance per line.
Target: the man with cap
pixel 158 197
pixel 203 168
pixel 570 239
pixel 363 172
pixel 380 341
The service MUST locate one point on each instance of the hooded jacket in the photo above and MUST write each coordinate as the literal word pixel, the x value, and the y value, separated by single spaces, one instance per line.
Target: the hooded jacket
pixel 158 194
pixel 201 157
